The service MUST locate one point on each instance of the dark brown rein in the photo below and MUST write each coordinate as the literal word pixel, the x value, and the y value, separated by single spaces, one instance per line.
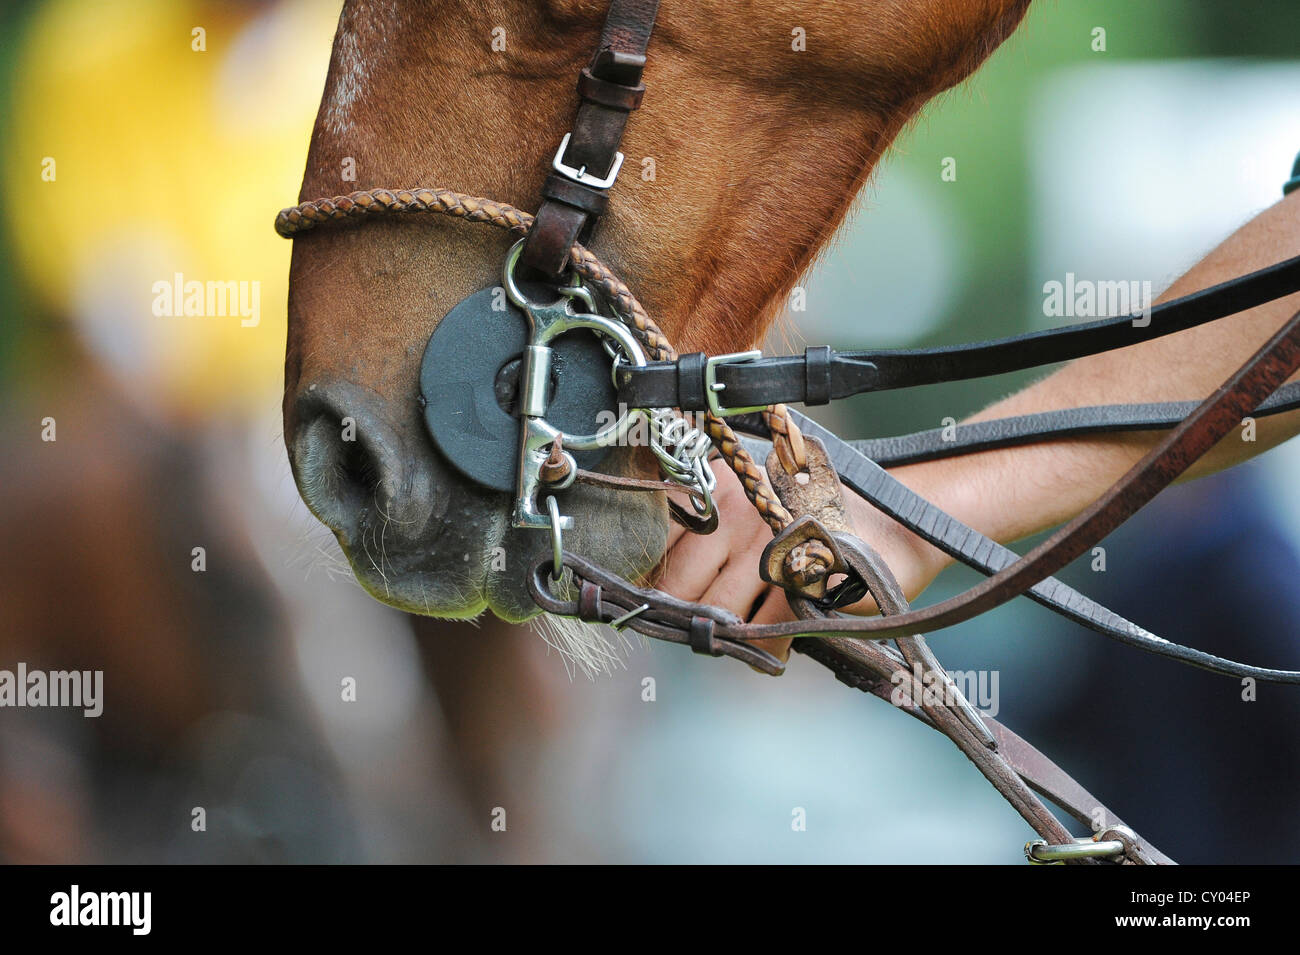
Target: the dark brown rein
pixel 1016 768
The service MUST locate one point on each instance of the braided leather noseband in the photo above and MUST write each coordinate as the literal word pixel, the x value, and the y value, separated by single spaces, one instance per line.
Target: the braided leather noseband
pixel 799 493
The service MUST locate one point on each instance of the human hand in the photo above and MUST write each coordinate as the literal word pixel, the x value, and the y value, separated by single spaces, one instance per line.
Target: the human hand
pixel 721 569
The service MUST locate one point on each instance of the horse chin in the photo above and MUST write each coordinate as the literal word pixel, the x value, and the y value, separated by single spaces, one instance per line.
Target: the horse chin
pixel 626 535
pixel 425 593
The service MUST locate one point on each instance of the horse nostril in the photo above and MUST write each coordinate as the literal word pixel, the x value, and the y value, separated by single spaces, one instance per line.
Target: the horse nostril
pixel 338 474
pixel 358 476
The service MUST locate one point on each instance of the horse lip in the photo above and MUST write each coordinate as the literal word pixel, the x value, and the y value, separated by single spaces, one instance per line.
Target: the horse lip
pixel 421 537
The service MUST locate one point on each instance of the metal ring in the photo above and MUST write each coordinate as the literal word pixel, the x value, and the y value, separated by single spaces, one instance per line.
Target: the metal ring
pixel 557 540
pixel 553 326
pixel 616 432
pixel 567 481
pixel 1041 853
pixel 513 291
pixel 575 288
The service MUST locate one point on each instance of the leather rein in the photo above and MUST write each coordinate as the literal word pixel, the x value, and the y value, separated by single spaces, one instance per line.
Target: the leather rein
pixel 799 492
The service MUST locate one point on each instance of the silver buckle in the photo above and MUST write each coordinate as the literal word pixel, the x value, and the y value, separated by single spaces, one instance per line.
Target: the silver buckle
pixel 712 386
pixel 581 175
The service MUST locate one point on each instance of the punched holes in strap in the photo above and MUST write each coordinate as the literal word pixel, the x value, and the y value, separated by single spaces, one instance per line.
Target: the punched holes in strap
pixel 817 375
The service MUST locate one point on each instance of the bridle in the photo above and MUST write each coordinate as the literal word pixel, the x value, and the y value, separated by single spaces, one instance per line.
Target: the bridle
pixel 557 379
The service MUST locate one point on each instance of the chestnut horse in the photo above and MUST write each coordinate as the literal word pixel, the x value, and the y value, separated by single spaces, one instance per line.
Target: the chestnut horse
pixel 762 123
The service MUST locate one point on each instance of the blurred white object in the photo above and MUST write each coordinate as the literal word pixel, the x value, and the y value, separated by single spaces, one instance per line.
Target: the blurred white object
pixel 1139 169
pixel 890 275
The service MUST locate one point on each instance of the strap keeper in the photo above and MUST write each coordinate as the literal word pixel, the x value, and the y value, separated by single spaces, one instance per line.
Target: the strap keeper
pixel 608 93
pixel 589 603
pixel 701 637
pixel 691 392
pixel 817 375
pixel 562 189
pixel 617 66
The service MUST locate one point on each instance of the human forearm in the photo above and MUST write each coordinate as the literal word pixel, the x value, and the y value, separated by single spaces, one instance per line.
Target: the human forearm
pixel 1010 493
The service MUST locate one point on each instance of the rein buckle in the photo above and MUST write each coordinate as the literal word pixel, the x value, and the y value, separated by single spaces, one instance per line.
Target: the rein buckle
pixel 712 386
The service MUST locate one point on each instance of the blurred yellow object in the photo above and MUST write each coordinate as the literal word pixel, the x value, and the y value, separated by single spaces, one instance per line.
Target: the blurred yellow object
pixel 167 161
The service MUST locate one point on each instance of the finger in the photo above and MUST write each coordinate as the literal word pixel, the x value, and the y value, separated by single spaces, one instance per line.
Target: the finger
pixel 774 608
pixel 736 587
pixel 692 563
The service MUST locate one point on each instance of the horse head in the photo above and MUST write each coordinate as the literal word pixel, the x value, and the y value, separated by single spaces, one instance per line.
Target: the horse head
pixel 759 125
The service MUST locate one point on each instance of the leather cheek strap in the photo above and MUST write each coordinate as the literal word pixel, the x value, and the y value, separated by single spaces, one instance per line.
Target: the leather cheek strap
pixel 609 89
pixel 570 208
pixel 569 212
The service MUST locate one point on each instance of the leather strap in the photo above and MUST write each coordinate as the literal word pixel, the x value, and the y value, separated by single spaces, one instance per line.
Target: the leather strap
pixel 845 659
pixel 669 618
pixel 816 499
pixel 605 598
pixel 887 494
pixel 1212 420
pixel 1017 770
pixel 1026 429
pixel 862 664
pixel 820 374
pixel 609 89
pixel 688 518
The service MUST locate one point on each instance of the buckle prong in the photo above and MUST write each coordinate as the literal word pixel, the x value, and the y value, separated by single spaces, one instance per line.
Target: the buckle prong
pixel 712 386
pixel 581 175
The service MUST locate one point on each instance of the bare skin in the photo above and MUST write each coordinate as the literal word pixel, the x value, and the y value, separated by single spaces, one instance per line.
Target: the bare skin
pixel 1011 493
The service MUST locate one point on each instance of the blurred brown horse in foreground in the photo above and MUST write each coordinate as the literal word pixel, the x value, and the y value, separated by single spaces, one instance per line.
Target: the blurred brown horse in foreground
pixel 154 448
